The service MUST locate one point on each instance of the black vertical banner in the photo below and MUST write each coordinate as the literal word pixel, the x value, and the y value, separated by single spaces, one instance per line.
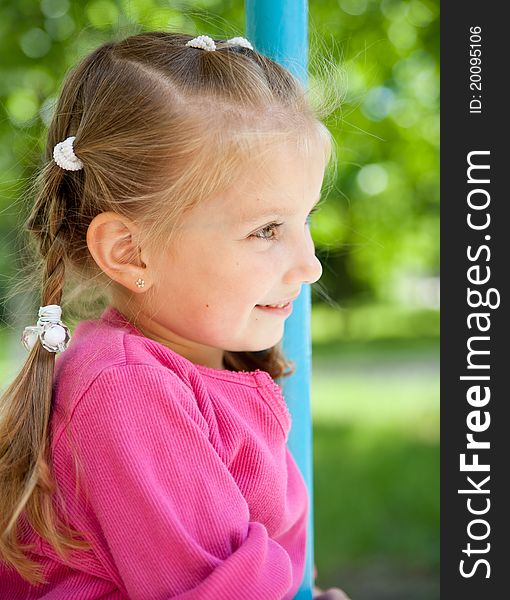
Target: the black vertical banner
pixel 475 428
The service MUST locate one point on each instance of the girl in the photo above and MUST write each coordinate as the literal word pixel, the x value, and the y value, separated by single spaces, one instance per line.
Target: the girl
pixel 149 461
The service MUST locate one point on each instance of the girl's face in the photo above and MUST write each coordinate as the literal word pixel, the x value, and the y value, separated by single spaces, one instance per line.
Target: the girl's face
pixel 246 247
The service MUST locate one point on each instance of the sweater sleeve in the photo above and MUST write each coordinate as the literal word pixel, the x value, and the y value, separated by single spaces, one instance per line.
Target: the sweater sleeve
pixel 172 515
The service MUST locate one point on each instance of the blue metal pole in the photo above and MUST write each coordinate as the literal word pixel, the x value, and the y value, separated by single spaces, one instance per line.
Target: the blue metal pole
pixel 279 30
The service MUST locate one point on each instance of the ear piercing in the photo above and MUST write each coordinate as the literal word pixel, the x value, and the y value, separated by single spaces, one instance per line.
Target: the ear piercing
pixel 140 282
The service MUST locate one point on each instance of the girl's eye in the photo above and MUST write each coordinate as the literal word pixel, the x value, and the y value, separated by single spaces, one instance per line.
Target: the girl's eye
pixel 270 229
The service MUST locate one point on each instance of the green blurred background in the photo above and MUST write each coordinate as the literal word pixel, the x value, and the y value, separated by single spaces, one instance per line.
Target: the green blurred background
pixel 375 315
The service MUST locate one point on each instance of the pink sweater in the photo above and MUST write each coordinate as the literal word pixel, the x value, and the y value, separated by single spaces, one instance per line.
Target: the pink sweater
pixel 187 488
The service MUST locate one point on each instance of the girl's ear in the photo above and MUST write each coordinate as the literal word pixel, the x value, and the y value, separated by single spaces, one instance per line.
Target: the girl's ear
pixel 113 242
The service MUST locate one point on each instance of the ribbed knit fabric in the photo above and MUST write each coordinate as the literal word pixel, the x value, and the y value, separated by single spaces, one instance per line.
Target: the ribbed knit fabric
pixel 186 486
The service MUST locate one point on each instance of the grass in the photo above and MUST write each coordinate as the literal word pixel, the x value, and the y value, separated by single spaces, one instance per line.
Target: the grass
pixel 376 468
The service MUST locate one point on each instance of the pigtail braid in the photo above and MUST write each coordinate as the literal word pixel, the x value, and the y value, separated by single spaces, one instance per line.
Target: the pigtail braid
pixel 27 487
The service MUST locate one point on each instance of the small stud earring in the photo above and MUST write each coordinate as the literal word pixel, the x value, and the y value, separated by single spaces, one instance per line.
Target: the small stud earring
pixel 140 282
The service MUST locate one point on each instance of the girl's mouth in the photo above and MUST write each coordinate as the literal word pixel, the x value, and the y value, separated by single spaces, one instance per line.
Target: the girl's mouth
pixel 277 309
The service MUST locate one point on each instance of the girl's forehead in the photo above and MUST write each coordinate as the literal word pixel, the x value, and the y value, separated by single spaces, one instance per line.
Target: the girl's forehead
pixel 281 184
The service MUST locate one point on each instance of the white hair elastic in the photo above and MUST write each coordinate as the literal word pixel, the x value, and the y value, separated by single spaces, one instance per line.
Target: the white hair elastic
pixel 54 335
pixel 240 41
pixel 207 43
pixel 64 156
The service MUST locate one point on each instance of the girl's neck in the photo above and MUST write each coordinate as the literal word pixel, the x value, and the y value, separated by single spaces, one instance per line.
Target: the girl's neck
pixel 200 354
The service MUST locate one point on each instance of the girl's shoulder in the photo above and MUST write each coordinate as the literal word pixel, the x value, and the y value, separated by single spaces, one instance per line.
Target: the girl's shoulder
pixel 111 347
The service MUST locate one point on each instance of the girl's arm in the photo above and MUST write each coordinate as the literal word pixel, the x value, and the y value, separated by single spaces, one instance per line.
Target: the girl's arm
pixel 172 517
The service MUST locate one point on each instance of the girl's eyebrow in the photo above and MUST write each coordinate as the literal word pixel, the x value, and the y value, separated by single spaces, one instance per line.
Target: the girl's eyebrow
pixel 271 213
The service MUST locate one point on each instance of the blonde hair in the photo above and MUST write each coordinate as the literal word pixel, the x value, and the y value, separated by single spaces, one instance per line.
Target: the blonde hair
pixel 159 126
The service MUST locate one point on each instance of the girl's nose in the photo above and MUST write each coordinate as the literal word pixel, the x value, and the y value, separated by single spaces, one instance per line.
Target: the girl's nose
pixel 312 272
pixel 306 267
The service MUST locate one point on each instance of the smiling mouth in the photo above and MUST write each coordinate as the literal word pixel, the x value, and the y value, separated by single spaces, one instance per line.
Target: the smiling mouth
pixel 285 304
pixel 276 309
